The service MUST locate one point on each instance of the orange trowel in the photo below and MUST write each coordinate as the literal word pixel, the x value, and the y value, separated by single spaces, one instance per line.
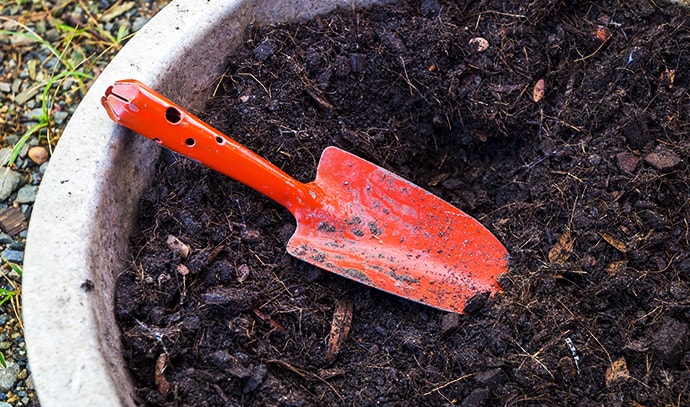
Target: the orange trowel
pixel 355 219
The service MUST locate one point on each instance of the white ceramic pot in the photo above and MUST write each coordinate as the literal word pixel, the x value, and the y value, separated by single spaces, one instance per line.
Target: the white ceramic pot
pixel 86 206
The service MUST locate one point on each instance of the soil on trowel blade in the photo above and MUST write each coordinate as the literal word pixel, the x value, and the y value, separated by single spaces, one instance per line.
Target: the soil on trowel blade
pixel 561 126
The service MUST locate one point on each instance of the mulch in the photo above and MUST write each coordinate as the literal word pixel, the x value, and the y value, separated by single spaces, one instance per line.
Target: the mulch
pixel 563 128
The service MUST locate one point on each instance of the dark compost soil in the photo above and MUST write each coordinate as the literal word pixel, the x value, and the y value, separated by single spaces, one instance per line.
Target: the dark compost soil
pixel 586 186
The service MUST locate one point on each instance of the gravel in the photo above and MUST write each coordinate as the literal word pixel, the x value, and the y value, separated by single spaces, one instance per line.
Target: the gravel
pixel 26 66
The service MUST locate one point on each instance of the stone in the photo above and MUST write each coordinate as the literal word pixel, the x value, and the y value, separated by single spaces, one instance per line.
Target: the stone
pixel 228 297
pixel 663 158
pixel 9 181
pixel 5 239
pixel 59 117
pixel 8 376
pixel 671 341
pixel 477 398
pixel 627 161
pixel 13 256
pixel 265 49
pixel 491 378
pixel 257 378
pixel 38 154
pixel 450 322
pixel 139 23
pixel 26 194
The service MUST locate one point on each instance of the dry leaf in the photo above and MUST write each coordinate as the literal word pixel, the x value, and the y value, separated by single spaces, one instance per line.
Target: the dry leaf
pixel 161 382
pixel 620 246
pixel 340 328
pixel 601 33
pixel 561 251
pixel 177 246
pixel 668 77
pixel 617 372
pixel 538 91
pixel 617 266
pixel 117 10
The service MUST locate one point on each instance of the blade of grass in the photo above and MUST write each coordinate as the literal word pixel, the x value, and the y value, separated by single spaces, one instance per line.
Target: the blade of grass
pixel 6 295
pixel 31 34
pixel 13 296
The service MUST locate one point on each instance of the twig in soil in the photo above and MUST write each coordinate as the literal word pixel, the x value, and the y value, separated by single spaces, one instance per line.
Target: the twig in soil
pixel 435 389
pixel 304 374
pixel 319 99
pixel 268 92
pixel 161 382
pixel 222 394
pixel 503 13
pixel 267 318
pixel 407 78
pixel 340 328
pixel 589 332
pixel 535 358
pixel 153 333
pixel 595 52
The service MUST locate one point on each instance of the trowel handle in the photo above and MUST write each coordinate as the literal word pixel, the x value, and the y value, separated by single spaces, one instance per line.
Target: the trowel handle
pixel 143 110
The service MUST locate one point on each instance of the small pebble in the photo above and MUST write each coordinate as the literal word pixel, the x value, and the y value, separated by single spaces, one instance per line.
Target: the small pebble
pixel 38 154
pixel 139 23
pixel 476 398
pixel 5 239
pixel 9 181
pixel 492 378
pixel 479 44
pixel 450 322
pixel 59 117
pixel 8 376
pixel 26 194
pixel 6 151
pixel 33 114
pixel 13 256
pixel 627 162
pixel 671 340
pixel 663 158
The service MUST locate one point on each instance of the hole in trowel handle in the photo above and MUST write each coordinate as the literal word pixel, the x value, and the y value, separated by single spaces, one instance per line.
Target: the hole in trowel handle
pixel 173 115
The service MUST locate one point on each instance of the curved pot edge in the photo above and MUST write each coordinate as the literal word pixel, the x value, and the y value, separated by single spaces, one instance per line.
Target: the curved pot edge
pixel 86 204
pixel 85 210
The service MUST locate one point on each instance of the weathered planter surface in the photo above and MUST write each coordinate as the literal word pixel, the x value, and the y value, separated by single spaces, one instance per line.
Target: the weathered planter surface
pixel 86 206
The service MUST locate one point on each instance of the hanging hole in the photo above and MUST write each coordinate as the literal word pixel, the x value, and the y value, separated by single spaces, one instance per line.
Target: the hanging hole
pixel 172 115
pixel 157 140
pixel 190 142
pixel 219 140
